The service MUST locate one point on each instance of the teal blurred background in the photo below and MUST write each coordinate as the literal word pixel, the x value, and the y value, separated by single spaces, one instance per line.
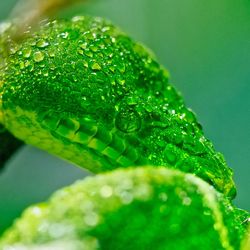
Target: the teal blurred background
pixel 206 47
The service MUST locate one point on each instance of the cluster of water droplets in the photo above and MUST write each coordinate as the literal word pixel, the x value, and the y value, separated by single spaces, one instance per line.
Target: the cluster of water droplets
pixel 144 202
pixel 87 66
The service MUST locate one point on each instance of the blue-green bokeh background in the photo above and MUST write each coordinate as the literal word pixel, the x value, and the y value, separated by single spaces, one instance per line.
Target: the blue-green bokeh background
pixel 206 47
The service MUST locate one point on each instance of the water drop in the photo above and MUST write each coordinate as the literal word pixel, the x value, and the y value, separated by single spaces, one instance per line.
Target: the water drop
pixel 186 201
pixel 91 219
pixel 105 29
pixel 78 18
pixel 52 66
pixel 126 197
pixel 131 100
pixel 30 66
pixel 45 73
pixel 85 64
pixel 42 44
pixel 80 51
pixel 96 66
pixel 128 121
pixel 13 50
pixel 64 35
pixel 121 67
pixel 21 65
pixel 93 48
pixel 148 108
pixel 170 154
pixel 112 68
pixel 190 116
pixel 83 45
pixel 120 80
pixel 38 56
pixel 26 52
pixel 88 53
pixel 52 54
pixel 163 196
pixel 106 191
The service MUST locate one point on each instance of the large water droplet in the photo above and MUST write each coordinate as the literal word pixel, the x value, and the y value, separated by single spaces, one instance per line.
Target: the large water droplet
pixel 96 66
pixel 38 56
pixel 128 121
pixel 26 52
pixel 42 44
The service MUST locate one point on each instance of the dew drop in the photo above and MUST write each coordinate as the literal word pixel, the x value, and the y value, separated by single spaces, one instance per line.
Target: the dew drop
pixel 112 68
pixel 13 50
pixel 91 219
pixel 121 67
pixel 26 52
pixel 80 51
pixel 106 191
pixel 42 44
pixel 88 53
pixel 170 154
pixel 148 108
pixel 30 66
pixel 163 196
pixel 56 230
pixel 38 56
pixel 52 54
pixel 120 80
pixel 85 64
pixel 131 100
pixel 96 66
pixel 37 211
pixel 93 48
pixel 128 121
pixel 105 29
pixel 27 64
pixel 126 197
pixel 83 45
pixel 78 18
pixel 45 73
pixel 64 35
pixel 186 201
pixel 21 65
pixel 190 116
pixel 52 66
